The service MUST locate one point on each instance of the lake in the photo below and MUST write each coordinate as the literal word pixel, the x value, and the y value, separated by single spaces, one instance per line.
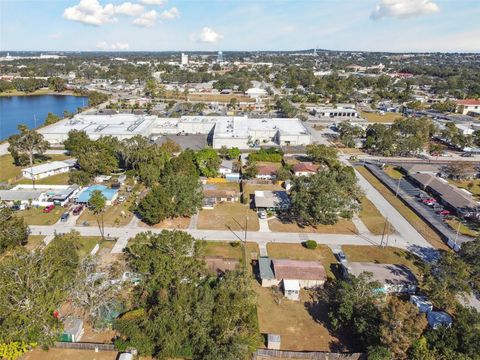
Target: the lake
pixel 16 110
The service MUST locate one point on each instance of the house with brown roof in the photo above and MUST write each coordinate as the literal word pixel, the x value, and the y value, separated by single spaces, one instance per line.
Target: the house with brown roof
pixel 305 169
pixel 266 172
pixel 215 196
pixel 291 275
pixel 468 105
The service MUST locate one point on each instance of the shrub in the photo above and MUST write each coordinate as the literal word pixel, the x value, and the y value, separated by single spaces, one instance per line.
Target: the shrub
pixel 235 244
pixel 310 244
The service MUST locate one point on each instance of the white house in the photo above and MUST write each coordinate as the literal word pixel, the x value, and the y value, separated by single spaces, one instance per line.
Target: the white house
pixel 41 195
pixel 305 169
pixel 48 169
pixel 468 105
pixel 226 167
pixel 256 93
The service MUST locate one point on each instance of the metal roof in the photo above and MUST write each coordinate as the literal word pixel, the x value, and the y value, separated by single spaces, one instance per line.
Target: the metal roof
pixel 265 267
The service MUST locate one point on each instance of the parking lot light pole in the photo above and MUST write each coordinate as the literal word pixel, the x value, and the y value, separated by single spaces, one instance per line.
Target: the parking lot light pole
pixel 398 187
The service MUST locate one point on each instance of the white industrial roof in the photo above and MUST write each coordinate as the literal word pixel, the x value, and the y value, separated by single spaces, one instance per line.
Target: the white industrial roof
pixel 51 166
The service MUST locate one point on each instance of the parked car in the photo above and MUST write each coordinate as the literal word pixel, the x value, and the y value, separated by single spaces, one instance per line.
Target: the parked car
pixel 262 214
pixel 341 256
pixel 121 199
pixel 429 201
pixel 77 210
pixel 65 216
pixel 48 208
pixel 444 212
pixel 466 154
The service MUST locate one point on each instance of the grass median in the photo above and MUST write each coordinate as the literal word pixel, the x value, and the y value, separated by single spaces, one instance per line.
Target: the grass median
pixel 421 226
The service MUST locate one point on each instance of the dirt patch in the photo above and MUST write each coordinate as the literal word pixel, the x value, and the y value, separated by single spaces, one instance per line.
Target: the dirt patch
pixel 172 223
pixel 70 354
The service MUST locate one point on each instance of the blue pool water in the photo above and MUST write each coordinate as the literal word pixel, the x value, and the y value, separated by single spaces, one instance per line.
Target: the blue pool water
pixel 108 193
pixel 16 110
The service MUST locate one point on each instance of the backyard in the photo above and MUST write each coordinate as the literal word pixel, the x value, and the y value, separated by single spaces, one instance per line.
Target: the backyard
pixel 228 216
pixel 299 252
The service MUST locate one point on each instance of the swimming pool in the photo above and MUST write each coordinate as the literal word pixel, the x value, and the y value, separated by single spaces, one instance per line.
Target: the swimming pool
pixel 109 194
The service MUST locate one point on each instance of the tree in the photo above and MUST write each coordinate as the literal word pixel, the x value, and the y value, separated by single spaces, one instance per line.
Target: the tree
pixel 348 133
pixel 57 84
pixel 251 170
pixel 324 197
pixel 401 326
pixel 208 162
pixel 378 353
pixel 176 195
pixel 52 118
pixel 233 153
pixel 459 170
pixel 323 154
pixel 77 142
pixel 13 230
pixel 96 204
pixel 28 142
pixel 353 308
pixel 223 151
pixel 182 311
pixel 469 253
pixel 34 284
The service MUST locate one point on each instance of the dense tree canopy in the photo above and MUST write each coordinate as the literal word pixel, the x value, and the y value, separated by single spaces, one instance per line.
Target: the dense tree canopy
pixel 13 230
pixel 181 310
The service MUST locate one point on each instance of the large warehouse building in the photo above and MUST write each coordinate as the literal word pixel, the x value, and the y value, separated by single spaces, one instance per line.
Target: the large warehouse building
pixel 229 131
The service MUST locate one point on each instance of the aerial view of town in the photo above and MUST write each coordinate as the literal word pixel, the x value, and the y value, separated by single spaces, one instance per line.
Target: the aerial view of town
pixel 240 180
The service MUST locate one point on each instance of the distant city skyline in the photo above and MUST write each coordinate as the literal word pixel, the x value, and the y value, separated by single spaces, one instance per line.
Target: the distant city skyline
pixel 234 25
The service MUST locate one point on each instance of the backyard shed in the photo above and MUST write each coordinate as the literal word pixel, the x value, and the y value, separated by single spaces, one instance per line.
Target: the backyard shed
pixel 291 289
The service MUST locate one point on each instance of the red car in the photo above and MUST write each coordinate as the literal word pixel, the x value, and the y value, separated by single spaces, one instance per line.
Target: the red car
pixel 444 212
pixel 48 208
pixel 78 210
pixel 429 201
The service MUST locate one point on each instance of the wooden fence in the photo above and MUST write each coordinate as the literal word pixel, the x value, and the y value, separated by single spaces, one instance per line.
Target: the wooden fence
pixel 262 354
pixel 85 346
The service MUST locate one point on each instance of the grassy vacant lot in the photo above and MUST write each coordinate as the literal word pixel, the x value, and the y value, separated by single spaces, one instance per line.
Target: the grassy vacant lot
pixel 61 354
pixel 112 216
pixel 464 229
pixel 226 250
pixel 372 218
pixel 393 172
pixel 10 171
pixel 249 189
pixel 472 186
pixel 228 216
pixel 34 241
pixel 87 243
pixel 224 186
pixel 375 117
pixel 351 151
pixel 341 227
pixel 298 252
pixel 36 216
pixel 387 255
pixel 301 324
pixel 423 228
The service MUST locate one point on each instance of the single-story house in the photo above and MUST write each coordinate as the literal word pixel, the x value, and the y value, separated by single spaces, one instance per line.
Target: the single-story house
pixel 459 200
pixel 394 278
pixel 292 275
pixel 305 169
pixel 439 318
pixel 467 105
pixel 271 200
pixel 48 169
pixel 219 196
pixel 422 303
pixel 266 172
pixel 226 167
pixel 26 195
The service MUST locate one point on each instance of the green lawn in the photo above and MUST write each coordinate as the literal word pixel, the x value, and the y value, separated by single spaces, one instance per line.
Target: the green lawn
pixel 59 179
pixel 86 244
pixel 36 216
pixel 387 255
pixel 393 172
pixel 373 220
pixel 463 229
pixel 472 186
pixel 34 241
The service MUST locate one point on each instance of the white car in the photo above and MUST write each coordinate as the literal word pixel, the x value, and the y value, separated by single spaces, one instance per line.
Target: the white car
pixel 121 198
pixel 262 214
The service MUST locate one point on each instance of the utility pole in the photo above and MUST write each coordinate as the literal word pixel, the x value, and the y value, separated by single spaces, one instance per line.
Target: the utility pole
pixel 398 187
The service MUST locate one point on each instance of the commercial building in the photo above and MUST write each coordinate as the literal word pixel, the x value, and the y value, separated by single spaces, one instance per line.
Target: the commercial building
pixel 229 131
pixel 48 169
pixel 335 114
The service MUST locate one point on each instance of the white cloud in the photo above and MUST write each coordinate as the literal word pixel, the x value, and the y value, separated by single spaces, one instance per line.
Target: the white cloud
pixel 55 36
pixel 103 45
pixel 208 35
pixel 154 2
pixel 129 9
pixel 91 12
pixel 170 14
pixel 403 8
pixel 147 19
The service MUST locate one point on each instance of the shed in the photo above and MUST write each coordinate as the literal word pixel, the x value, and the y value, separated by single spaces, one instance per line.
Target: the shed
pixel 291 289
pixel 422 303
pixel 273 341
pixel 72 330
pixel 439 318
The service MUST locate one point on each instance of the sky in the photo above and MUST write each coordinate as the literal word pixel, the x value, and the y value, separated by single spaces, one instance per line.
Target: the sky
pixel 229 25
